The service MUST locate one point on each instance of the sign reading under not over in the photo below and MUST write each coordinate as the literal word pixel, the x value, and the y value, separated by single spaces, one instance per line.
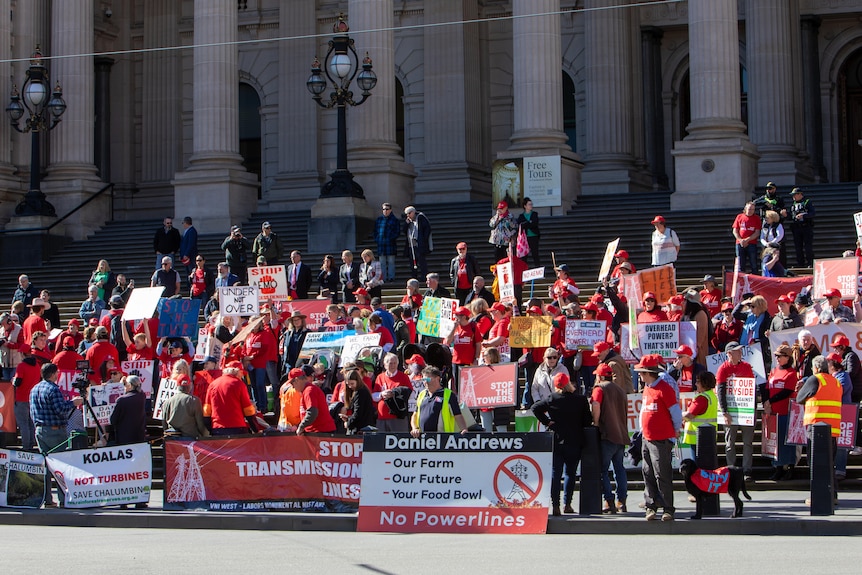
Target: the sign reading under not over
pixel 448 483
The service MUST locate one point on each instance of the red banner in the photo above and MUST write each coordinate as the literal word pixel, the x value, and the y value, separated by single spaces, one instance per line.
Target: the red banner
pixel 7 407
pixel 769 442
pixel 273 473
pixel 770 288
pixel 314 309
pixel 839 273
pixel 487 386
pixel 796 434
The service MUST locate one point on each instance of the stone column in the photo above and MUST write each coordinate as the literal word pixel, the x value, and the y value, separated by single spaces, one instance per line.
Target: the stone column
pixel 811 95
pixel 716 160
pixel 537 87
pixel 373 155
pixel 653 105
pixel 770 37
pixel 215 189
pixel 103 117
pixel 608 62
pixel 9 185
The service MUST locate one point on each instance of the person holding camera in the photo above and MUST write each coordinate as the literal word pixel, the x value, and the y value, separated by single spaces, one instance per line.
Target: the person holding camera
pixel 236 249
pixel 50 412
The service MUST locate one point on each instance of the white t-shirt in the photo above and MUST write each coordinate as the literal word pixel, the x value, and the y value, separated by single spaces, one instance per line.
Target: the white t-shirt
pixel 664 247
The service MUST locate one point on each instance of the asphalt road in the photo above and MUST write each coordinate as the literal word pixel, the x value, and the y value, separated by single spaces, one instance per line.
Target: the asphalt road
pixel 61 550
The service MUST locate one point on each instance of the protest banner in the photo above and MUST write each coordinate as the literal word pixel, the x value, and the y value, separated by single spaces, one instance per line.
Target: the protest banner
pixel 857 220
pixel 437 317
pixel 533 274
pixel 769 436
pixel 314 311
pixel 7 407
pixel 752 354
pixel 142 303
pixel 795 427
pixel 355 343
pixel 208 345
pixel 840 273
pixel 530 331
pixel 167 389
pixel 583 334
pixel 822 334
pixel 453 483
pixel 101 477
pixel 65 379
pixel 274 473
pixel 608 260
pixel 489 385
pixel 660 338
pixel 505 282
pixel 741 401
pixel 849 425
pixel 270 281
pixel 103 399
pixel 687 334
pixel 238 300
pixel 22 479
pixel 144 370
pixel 769 288
pixel 178 317
pixel 334 340
pixel 660 280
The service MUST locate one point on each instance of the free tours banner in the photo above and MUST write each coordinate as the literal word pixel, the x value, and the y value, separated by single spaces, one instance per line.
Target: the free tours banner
pixel 22 479
pixel 454 483
pixel 117 475
pixel 273 473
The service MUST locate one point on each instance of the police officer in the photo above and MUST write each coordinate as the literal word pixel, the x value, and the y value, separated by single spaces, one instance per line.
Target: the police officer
pixel 802 226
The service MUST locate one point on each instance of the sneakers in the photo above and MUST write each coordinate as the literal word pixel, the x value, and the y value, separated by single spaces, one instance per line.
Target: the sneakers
pixel 609 508
pixel 50 504
pixel 621 506
pixel 667 516
pixel 568 509
pixel 856 451
pixel 651 515
pixel 749 478
pixel 692 499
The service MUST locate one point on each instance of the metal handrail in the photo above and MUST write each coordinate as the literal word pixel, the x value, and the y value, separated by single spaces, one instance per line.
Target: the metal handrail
pixel 109 186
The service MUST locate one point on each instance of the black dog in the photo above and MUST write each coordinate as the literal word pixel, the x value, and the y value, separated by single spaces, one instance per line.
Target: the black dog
pixel 701 482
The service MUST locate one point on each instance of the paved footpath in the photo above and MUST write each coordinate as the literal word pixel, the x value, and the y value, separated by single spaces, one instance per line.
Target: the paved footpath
pixel 770 513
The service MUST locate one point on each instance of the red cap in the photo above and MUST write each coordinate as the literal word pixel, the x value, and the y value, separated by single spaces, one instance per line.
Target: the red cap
pixel 783 298
pixel 561 380
pixel 68 341
pixel 649 362
pixel 361 291
pixel 603 370
pixel 599 347
pixel 622 254
pixel 417 359
pixel 498 307
pixel 726 306
pixel 684 350
pixel 234 365
pixel 295 373
pixel 676 300
pixel 93 322
pixel 597 298
pixel 502 206
pixel 840 339
pixel 591 306
pixel 75 321
pixel 535 309
pixel 649 295
pixel 834 357
pixel 832 293
pixel 25 348
pixel 463 311
pixel 657 220
pixel 792 295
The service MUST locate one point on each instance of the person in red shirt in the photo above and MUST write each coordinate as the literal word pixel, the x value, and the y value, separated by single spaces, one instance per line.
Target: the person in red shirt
pixel 27 375
pixel 141 348
pixel 734 367
pixel 624 266
pixel 498 337
pixel 727 329
pixel 67 358
pixel 674 308
pixel 746 230
pixel 73 330
pixel 375 325
pixel 462 269
pixel 39 347
pixel 412 297
pixel 334 321
pixel 565 287
pixel 651 312
pixel 259 347
pixel 204 377
pixel 466 342
pixel 169 355
pixel 98 353
pixel 35 322
pixel 228 409
pixel 312 405
pixel 710 295
pixel 780 388
pixel 388 380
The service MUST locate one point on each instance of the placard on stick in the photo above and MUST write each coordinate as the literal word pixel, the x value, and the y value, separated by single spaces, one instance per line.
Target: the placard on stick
pixel 142 303
pixel 178 317
pixel 238 300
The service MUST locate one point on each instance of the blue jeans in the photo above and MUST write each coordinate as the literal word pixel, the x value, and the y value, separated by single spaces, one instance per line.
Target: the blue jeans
pixel 841 460
pixel 25 425
pixel 48 439
pixel 748 253
pixel 260 388
pixel 8 373
pixel 388 265
pixel 613 453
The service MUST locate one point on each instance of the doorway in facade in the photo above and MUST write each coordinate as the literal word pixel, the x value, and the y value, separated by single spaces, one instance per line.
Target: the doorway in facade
pixel 850 118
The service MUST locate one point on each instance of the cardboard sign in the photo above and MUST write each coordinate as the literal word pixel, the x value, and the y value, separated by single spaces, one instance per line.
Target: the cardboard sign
pixel 144 370
pixel 271 282
pixel 455 483
pixel 533 274
pixel 208 345
pixel 489 386
pixel 660 338
pixel 103 399
pixel 687 334
pixel 100 477
pixel 178 317
pixel 530 331
pixel 167 389
pixel 660 280
pixel 841 273
pixel 583 334
pixel 505 282
pixel 437 316
pixel 7 407
pixel 238 300
pixel 752 354
pixel 608 260
pixel 741 401
pixel 769 288
pixel 355 343
pixel 22 479
pixel 142 303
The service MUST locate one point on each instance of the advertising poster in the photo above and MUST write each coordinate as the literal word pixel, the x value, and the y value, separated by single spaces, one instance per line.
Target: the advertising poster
pixel 273 473
pixel 101 477
pixel 840 273
pixel 456 483
pixel 489 385
pixel 543 181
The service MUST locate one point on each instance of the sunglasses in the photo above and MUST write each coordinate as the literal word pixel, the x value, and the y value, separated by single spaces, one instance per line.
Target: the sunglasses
pixel 553 357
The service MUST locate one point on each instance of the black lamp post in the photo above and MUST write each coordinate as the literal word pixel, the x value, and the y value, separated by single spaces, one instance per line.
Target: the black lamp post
pixel 43 115
pixel 341 67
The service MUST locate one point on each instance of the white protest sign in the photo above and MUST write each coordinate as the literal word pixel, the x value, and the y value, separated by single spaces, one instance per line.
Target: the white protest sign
pixel 142 303
pixel 740 401
pixel 101 477
pixel 659 337
pixel 505 282
pixel 271 282
pixel 103 399
pixel 752 354
pixel 822 334
pixel 238 300
pixel 857 219
pixel 583 334
pixel 167 389
pixel 533 274
pixel 354 344
pixel 687 335
pixel 144 370
pixel 203 342
pixel 608 259
pixel 447 315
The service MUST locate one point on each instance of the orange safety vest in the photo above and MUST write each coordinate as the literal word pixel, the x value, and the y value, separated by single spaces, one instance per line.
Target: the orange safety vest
pixel 825 405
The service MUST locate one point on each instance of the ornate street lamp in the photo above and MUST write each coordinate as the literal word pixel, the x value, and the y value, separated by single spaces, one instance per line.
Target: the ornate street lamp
pixel 341 67
pixel 43 115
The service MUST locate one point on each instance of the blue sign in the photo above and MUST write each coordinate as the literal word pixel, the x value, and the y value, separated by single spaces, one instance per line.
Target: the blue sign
pixel 178 317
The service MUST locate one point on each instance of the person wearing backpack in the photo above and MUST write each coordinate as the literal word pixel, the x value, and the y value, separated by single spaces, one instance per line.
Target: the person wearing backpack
pixel 395 391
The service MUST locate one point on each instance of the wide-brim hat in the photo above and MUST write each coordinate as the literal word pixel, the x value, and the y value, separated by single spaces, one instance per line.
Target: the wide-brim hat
pixel 39 302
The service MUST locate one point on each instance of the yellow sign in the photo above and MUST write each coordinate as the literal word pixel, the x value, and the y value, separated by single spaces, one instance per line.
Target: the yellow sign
pixel 532 331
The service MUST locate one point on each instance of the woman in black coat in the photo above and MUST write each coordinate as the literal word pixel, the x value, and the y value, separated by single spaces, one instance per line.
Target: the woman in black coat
pixel 529 222
pixel 328 279
pixel 129 419
pixel 361 411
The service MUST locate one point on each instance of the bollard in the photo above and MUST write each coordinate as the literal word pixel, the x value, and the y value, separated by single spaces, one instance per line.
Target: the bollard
pixel 590 493
pixel 820 463
pixel 706 457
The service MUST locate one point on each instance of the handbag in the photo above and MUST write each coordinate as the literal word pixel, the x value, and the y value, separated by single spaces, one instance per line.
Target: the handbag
pixel 523 247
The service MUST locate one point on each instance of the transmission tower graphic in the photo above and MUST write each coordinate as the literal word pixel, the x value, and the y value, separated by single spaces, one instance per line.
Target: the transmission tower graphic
pixel 819 280
pixel 517 495
pixel 468 393
pixel 188 485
